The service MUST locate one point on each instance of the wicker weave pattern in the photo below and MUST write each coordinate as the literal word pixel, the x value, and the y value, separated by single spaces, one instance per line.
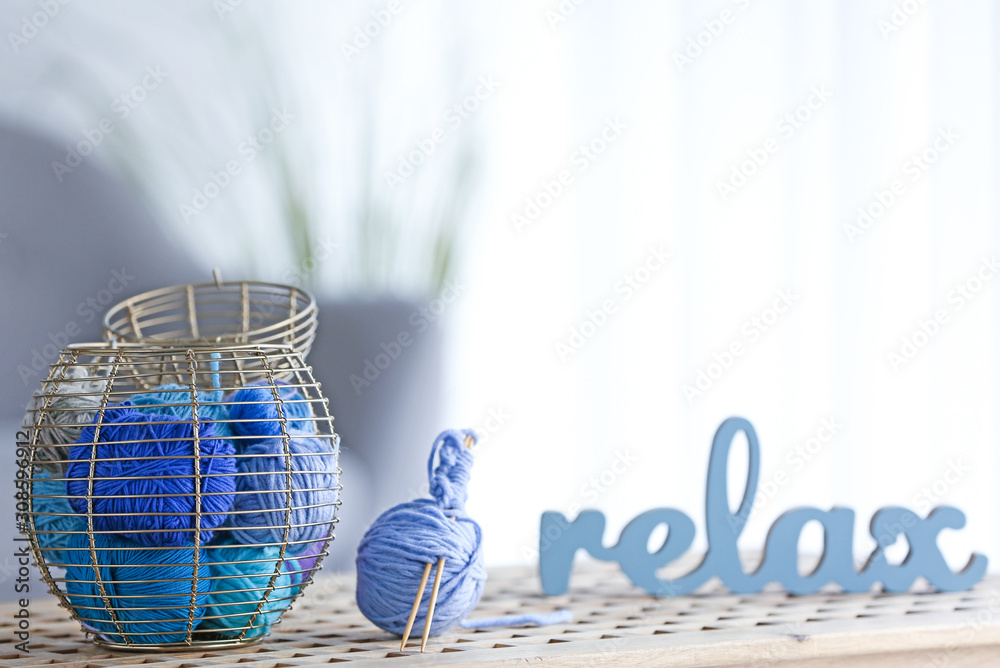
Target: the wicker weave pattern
pixel 614 625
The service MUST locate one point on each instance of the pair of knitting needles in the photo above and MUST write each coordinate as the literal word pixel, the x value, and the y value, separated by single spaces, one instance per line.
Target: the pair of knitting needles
pixel 420 594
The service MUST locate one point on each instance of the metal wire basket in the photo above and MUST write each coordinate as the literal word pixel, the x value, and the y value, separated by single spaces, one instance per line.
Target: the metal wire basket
pixel 148 567
pixel 217 312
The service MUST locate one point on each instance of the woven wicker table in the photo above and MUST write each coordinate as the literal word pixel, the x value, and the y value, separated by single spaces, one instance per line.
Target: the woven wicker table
pixel 615 625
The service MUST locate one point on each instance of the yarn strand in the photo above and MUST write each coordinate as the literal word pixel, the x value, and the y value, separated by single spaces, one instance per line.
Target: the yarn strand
pixel 561 616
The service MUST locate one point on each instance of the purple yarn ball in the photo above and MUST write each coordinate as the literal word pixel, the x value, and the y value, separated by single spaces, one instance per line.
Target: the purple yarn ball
pixel 300 567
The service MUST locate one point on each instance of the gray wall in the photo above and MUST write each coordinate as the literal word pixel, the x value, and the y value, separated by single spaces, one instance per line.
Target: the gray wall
pixel 68 250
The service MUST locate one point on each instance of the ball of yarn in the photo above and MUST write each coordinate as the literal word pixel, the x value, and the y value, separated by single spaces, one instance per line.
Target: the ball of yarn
pixel 253 412
pixel 239 588
pixel 151 501
pixel 175 400
pixel 259 513
pixel 137 592
pixel 404 539
pixel 297 408
pixel 53 518
pixel 75 398
pixel 300 567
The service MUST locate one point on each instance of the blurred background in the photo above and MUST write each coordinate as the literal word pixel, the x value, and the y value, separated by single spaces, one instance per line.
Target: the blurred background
pixel 600 229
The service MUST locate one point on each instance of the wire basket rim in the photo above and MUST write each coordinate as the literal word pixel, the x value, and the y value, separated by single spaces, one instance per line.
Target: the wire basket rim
pixel 118 314
pixel 155 347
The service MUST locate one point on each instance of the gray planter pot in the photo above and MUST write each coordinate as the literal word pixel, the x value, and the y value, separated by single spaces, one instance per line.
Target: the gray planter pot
pixel 380 363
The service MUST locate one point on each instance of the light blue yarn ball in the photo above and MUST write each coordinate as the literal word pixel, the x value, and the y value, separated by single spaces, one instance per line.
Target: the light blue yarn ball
pixel 254 411
pixel 391 560
pixel 240 588
pixel 403 540
pixel 211 409
pixel 54 518
pixel 259 512
pixel 164 603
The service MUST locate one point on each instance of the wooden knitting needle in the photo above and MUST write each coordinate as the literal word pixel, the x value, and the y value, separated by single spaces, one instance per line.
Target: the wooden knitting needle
pixel 430 606
pixel 420 594
pixel 416 606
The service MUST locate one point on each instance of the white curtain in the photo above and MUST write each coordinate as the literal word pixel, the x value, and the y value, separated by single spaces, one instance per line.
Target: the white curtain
pixel 886 80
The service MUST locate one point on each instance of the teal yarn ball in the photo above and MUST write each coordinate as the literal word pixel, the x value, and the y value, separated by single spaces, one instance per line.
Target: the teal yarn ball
pixel 238 590
pixel 54 519
pixel 260 511
pixel 176 400
pixel 254 411
pixel 152 603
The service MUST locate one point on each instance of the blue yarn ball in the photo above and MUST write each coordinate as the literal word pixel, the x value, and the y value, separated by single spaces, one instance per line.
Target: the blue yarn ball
pixel 403 540
pixel 230 606
pixel 391 560
pixel 165 603
pixel 258 406
pixel 53 531
pixel 259 510
pixel 211 409
pixel 297 408
pixel 155 519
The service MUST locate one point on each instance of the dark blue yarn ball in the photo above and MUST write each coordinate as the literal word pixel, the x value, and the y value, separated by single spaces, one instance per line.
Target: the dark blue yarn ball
pixel 154 519
pixel 160 594
pixel 258 407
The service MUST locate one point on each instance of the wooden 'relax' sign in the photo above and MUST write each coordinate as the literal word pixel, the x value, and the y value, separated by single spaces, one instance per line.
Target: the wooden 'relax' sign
pixel 560 540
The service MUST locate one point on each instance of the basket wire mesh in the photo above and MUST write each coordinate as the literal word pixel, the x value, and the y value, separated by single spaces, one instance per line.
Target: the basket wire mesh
pixel 112 374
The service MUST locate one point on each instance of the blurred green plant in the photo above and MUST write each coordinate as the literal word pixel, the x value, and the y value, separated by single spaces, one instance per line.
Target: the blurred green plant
pixel 400 240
